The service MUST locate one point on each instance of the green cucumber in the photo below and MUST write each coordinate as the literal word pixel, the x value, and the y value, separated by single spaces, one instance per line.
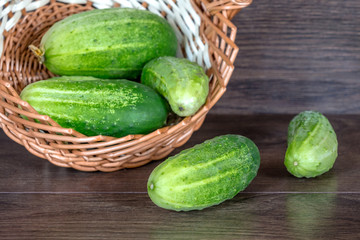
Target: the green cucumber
pixel 91 106
pixel 183 83
pixel 106 43
pixel 312 145
pixel 204 175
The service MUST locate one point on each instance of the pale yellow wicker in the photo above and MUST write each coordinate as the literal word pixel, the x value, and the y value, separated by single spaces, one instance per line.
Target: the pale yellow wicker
pixel 206 35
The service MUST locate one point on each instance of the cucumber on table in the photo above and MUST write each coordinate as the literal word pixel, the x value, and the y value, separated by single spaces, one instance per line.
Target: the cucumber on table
pixel 204 175
pixel 106 43
pixel 92 106
pixel 312 145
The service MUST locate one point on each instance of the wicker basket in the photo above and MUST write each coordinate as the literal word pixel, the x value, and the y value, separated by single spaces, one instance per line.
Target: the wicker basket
pixel 205 33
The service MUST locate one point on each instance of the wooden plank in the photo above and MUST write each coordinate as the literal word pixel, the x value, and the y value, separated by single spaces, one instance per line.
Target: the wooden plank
pixel 22 172
pixel 125 216
pixel 295 55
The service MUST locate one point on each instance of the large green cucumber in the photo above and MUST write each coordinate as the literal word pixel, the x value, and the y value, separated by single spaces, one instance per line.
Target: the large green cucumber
pixel 110 107
pixel 183 83
pixel 204 175
pixel 107 43
pixel 312 145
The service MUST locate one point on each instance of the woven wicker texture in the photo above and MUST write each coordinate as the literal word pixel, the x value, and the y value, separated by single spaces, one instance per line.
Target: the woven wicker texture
pixel 205 33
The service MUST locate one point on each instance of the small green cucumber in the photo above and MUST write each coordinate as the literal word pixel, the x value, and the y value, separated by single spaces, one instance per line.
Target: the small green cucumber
pixel 106 43
pixel 92 106
pixel 183 83
pixel 312 145
pixel 204 175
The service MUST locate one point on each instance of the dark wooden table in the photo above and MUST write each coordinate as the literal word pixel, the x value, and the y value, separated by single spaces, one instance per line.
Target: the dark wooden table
pixel 41 201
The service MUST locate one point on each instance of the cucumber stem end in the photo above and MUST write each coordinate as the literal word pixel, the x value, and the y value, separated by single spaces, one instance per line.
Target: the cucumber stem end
pixel 38 52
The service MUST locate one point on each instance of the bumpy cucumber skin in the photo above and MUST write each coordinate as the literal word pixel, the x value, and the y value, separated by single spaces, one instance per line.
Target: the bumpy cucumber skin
pixel 109 107
pixel 312 145
pixel 204 175
pixel 183 83
pixel 107 43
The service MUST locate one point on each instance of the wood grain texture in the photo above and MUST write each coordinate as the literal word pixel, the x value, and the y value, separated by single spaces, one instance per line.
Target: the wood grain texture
pixel 22 172
pixel 295 56
pixel 134 216
pixel 41 201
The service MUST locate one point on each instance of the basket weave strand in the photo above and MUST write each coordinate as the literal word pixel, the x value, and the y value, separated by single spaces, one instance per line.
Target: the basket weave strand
pixel 205 33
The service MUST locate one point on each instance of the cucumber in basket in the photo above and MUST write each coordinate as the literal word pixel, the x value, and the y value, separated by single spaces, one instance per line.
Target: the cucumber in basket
pixel 106 43
pixel 110 107
pixel 183 83
pixel 205 175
